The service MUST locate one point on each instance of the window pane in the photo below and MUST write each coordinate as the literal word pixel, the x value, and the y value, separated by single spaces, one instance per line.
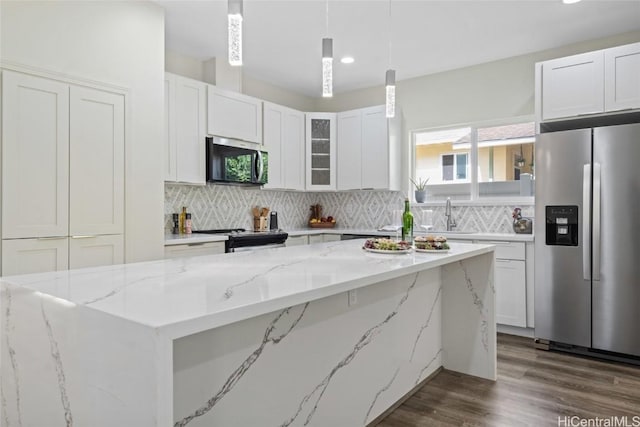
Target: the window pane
pixel 461 166
pixel 506 160
pixel 447 167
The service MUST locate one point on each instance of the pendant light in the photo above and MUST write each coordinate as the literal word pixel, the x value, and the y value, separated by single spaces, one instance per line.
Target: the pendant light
pixel 235 32
pixel 390 80
pixel 327 60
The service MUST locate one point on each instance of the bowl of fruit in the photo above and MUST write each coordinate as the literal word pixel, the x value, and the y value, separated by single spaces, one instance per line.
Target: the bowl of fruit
pixel 318 221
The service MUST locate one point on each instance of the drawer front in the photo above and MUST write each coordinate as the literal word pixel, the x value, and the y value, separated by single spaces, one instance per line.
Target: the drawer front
pixel 509 250
pixel 193 249
pixel 296 241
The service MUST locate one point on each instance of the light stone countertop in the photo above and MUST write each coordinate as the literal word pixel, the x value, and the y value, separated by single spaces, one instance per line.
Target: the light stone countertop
pixel 183 296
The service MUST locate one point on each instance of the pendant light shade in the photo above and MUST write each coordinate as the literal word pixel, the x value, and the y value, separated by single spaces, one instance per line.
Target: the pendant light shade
pixel 235 32
pixel 390 88
pixel 327 68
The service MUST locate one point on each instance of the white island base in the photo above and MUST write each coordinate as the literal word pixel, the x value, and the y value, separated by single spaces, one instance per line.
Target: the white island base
pixel 269 338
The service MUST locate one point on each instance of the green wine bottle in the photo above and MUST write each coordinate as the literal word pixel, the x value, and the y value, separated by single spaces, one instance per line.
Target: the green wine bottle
pixel 407 223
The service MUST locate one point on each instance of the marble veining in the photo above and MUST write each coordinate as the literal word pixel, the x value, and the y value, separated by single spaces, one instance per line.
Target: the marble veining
pixel 57 359
pixel 477 301
pixel 379 393
pixel 364 340
pixel 246 364
pixel 422 371
pixel 12 358
pixel 426 324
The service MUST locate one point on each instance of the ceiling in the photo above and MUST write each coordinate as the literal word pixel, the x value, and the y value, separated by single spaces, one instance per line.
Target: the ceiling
pixel 282 39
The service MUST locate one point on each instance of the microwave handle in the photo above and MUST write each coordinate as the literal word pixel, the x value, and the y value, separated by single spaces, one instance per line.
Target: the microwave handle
pixel 259 166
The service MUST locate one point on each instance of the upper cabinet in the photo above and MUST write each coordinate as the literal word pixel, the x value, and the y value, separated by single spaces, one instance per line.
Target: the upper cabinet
pixel 597 82
pixel 284 140
pixel 234 115
pixel 622 77
pixel 368 147
pixel 185 129
pixel 321 151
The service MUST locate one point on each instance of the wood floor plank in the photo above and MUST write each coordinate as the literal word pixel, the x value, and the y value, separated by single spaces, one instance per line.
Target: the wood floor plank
pixel 534 388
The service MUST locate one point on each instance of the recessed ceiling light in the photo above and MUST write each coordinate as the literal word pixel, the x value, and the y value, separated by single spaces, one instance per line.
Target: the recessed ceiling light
pixel 347 60
pixel 570 1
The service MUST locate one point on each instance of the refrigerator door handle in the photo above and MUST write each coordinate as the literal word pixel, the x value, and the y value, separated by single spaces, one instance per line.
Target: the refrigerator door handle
pixel 596 221
pixel 586 222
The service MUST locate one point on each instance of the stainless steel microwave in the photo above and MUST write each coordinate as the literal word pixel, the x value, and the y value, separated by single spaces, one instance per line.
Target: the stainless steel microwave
pixel 236 162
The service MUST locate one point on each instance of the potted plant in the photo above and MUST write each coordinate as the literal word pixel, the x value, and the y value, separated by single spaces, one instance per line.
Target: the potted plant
pixel 421 189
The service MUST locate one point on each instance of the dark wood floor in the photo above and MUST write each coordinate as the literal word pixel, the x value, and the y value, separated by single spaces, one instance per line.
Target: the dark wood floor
pixel 534 388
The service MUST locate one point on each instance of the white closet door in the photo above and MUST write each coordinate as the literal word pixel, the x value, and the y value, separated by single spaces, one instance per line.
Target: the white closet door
pixel 96 162
pixel 35 156
pixel 26 256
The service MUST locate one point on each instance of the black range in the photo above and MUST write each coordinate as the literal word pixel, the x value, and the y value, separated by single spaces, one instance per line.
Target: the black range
pixel 240 239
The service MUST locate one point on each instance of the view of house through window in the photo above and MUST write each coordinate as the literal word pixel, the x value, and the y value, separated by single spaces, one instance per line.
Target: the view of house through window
pixel 505 160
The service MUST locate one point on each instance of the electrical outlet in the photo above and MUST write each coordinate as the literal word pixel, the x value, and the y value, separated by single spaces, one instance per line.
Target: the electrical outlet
pixel 353 297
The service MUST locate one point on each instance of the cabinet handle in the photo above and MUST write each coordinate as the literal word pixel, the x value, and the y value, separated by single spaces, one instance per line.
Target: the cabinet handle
pixel 52 238
pixel 83 237
pixel 500 243
pixel 503 260
pixel 196 244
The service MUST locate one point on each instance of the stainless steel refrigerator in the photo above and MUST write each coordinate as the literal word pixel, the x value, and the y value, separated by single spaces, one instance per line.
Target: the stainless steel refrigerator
pixel 587 239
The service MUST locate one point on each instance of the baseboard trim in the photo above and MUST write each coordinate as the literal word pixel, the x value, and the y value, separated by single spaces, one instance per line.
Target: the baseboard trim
pixel 514 330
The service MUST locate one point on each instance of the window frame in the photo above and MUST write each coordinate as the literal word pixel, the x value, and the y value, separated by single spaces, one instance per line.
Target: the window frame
pixel 466 192
pixel 455 165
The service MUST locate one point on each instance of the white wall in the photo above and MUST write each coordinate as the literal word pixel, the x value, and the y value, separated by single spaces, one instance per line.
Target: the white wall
pixel 490 91
pixel 119 43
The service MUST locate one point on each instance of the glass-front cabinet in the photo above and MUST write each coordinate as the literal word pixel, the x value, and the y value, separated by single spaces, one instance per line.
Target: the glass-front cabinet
pixel 321 151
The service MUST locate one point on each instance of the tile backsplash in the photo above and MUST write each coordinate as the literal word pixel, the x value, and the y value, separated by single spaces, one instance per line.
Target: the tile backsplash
pixel 224 206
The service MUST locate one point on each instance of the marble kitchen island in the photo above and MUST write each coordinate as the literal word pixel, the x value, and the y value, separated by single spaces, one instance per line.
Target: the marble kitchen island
pixel 325 334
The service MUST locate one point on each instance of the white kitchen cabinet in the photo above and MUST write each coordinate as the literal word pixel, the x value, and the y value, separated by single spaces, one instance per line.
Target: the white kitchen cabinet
pixel 26 256
pixel 323 238
pixel 321 151
pixel 96 162
pixel 185 129
pixel 622 77
pixel 573 86
pixel 331 237
pixel 35 156
pixel 368 150
pixel 284 139
pixel 93 251
pixel 63 172
pixel 193 249
pixel 233 115
pixel 510 283
pixel 349 146
pixel 297 241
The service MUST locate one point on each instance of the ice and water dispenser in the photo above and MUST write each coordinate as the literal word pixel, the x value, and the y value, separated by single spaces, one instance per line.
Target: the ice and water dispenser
pixel 561 225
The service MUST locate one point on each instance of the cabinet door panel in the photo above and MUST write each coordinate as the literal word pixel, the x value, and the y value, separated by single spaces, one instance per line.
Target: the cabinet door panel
pixel 96 166
pixel 573 85
pixel 95 251
pixel 293 150
pixel 349 147
pixel 234 115
pixel 320 151
pixel 511 293
pixel 274 119
pixel 190 113
pixel 26 256
pixel 375 148
pixel 622 77
pixel 169 147
pixel 35 156
pixel 193 249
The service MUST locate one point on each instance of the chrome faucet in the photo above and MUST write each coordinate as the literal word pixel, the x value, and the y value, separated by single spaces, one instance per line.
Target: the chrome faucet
pixel 451 223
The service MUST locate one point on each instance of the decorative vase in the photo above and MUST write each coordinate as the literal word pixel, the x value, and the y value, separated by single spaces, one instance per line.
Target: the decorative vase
pixel 420 196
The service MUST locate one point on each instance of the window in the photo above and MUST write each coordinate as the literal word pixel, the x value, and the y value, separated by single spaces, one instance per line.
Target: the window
pixel 455 167
pixel 476 162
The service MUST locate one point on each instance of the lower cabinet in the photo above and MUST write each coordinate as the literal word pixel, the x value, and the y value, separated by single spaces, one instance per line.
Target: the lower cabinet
pixel 321 238
pixel 511 292
pixel 511 284
pixel 93 251
pixel 39 255
pixel 193 249
pixel 296 241
pixel 26 256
